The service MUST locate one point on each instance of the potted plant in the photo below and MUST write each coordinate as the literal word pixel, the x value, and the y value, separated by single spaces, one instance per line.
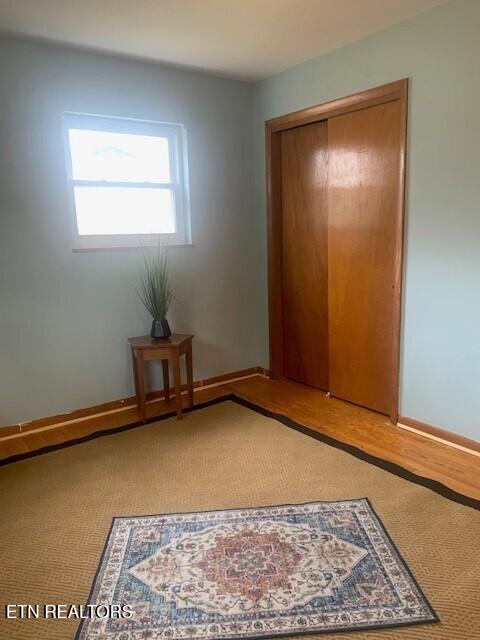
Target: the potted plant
pixel 155 291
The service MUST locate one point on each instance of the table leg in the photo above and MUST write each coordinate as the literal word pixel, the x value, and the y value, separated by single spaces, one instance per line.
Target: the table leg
pixel 178 388
pixel 141 386
pixel 166 380
pixel 190 373
pixel 135 375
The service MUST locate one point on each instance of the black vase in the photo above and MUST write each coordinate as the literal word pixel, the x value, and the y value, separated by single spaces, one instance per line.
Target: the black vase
pixel 160 329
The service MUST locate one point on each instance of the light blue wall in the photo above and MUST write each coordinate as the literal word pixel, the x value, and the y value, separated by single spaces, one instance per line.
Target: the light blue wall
pixel 440 52
pixel 64 316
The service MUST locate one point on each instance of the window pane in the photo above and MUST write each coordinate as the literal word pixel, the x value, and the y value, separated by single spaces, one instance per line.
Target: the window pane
pixel 124 210
pixel 118 157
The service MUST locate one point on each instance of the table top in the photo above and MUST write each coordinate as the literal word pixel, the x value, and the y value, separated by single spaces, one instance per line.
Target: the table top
pixel 147 342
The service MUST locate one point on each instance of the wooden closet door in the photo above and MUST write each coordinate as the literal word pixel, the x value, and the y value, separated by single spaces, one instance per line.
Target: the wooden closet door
pixel 364 156
pixel 304 247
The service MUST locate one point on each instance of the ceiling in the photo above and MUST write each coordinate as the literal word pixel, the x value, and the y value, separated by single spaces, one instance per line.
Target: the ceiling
pixel 245 39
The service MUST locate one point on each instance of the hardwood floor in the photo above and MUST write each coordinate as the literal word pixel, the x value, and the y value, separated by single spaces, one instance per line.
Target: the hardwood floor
pixel 365 429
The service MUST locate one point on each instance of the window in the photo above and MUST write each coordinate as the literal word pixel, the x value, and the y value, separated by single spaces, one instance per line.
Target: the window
pixel 128 182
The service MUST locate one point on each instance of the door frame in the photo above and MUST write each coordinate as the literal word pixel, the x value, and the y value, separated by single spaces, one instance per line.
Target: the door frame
pixel 273 128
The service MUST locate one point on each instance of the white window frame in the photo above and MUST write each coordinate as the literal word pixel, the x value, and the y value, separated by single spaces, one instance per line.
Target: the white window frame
pixel 177 142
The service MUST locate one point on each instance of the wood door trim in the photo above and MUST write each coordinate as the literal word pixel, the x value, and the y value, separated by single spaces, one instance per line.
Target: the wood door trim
pixel 362 100
pixel 273 128
pixel 398 282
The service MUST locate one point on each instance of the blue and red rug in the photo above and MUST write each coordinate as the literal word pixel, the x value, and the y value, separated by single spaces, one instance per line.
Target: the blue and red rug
pixel 254 573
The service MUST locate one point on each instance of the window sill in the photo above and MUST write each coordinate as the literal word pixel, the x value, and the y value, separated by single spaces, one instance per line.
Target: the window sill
pixel 108 243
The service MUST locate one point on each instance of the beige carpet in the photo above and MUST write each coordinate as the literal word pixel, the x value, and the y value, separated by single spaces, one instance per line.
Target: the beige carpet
pixel 56 510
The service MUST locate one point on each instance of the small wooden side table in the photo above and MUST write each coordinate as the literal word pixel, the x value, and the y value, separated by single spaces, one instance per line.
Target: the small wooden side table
pixel 145 348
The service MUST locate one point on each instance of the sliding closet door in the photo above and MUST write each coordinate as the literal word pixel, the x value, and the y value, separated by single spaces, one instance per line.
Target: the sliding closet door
pixel 362 203
pixel 304 254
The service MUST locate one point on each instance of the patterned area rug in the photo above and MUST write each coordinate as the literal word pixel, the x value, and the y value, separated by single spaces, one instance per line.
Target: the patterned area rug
pixel 254 573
